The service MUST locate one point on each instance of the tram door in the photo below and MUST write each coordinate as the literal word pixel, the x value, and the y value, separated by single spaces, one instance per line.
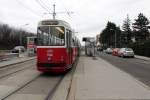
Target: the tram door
pixel 69 48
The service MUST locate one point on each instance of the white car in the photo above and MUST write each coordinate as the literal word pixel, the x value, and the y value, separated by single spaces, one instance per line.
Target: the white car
pixel 17 48
pixel 108 50
pixel 126 52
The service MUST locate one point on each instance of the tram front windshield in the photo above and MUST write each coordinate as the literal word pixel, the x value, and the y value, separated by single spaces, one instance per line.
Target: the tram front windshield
pixel 51 36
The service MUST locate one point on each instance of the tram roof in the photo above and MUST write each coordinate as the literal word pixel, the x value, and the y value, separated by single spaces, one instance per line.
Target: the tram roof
pixel 54 22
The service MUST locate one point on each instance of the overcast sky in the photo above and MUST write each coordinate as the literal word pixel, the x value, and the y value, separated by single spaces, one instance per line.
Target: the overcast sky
pixel 88 19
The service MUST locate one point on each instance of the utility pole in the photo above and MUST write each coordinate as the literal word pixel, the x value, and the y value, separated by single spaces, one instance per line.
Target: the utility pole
pixel 54 13
pixel 20 36
pixel 115 39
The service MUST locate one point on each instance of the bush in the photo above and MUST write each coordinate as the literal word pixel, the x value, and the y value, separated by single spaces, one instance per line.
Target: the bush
pixel 142 49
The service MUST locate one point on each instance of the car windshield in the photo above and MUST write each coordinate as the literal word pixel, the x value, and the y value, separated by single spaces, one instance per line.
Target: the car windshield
pixel 128 49
pixel 17 47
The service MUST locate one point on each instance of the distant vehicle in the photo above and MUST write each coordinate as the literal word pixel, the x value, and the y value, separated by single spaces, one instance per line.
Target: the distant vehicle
pixel 126 52
pixel 108 50
pixel 115 51
pixel 17 48
pixel 99 49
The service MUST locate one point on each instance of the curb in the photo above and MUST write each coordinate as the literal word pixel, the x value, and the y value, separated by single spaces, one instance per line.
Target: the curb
pixel 62 90
pixel 142 58
pixel 65 87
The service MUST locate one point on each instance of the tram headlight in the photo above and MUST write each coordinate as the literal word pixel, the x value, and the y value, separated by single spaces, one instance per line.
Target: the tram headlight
pixel 49 58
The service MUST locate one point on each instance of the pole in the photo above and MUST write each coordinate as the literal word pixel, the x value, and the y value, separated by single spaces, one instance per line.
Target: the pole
pixel 54 13
pixel 20 40
pixel 115 39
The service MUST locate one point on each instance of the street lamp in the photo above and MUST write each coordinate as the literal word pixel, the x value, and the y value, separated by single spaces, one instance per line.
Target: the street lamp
pixel 21 33
pixel 115 39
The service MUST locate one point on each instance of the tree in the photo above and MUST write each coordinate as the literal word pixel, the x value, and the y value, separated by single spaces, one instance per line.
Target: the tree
pixel 140 28
pixel 9 36
pixel 110 35
pixel 127 33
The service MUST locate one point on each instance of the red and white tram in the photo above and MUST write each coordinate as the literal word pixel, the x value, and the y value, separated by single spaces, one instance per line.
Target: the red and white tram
pixel 57 47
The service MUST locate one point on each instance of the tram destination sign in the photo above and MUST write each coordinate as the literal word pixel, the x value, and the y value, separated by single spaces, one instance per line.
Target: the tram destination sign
pixel 49 22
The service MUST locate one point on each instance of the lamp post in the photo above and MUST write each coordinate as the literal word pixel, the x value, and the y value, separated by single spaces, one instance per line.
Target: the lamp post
pixel 115 37
pixel 21 34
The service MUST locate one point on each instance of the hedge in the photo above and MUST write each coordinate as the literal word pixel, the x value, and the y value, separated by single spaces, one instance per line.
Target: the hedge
pixel 142 49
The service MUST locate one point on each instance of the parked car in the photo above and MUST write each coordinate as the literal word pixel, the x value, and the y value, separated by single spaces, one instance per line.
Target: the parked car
pixel 17 48
pixel 126 52
pixel 99 49
pixel 115 51
pixel 108 50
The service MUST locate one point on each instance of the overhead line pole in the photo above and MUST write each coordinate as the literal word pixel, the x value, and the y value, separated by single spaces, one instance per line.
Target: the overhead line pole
pixel 54 13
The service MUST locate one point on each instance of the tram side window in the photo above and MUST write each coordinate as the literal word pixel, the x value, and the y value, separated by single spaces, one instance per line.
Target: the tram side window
pixel 39 37
pixel 69 39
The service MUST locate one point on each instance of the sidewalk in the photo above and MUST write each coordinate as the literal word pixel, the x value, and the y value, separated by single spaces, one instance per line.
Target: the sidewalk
pixel 15 60
pixel 142 57
pixel 99 80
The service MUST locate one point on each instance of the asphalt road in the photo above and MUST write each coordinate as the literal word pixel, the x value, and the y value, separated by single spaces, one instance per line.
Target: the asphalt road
pixel 140 69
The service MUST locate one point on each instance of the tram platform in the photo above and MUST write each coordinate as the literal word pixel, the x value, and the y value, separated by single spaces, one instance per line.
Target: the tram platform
pixel 96 79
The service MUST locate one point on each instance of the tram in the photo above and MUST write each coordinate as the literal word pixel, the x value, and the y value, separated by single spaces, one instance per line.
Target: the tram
pixel 57 46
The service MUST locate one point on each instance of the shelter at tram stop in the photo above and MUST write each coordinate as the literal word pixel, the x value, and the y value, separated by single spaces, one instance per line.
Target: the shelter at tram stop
pixel 89 46
pixel 31 45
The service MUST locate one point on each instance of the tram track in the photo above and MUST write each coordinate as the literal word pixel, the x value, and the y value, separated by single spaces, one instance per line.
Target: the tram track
pixel 19 88
pixel 16 63
pixel 11 73
pixel 29 90
pixel 42 87
pixel 14 68
pixel 16 87
pixel 50 94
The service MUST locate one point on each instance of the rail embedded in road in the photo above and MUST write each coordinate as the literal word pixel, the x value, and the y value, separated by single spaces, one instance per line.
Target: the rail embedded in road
pixel 12 69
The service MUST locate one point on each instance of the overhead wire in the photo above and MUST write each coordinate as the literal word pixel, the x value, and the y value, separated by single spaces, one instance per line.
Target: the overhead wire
pixel 67 11
pixel 29 9
pixel 43 5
